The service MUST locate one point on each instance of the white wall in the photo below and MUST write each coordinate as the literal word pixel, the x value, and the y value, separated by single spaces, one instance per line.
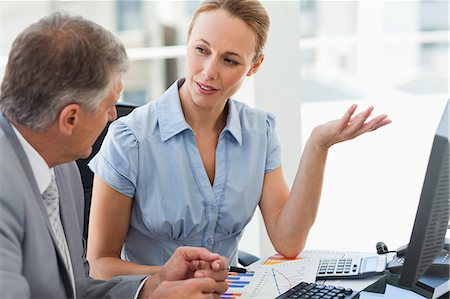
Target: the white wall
pixel 276 90
pixel 372 184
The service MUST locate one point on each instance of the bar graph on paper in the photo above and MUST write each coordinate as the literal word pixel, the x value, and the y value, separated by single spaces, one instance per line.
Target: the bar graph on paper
pixel 270 279
pixel 238 285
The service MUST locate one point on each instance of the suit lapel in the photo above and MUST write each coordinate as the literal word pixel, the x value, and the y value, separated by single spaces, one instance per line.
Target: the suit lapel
pixel 24 162
pixel 70 221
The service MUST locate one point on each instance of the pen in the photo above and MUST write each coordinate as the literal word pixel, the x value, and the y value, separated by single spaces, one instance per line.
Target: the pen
pixel 238 270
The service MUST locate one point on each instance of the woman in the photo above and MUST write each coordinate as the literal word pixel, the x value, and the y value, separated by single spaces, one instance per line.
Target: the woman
pixel 191 167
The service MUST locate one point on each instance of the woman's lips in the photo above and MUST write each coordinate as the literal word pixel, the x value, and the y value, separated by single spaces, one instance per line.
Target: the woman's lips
pixel 205 88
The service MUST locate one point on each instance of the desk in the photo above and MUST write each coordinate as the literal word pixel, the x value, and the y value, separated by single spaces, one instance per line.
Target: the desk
pixel 386 281
pixel 356 284
pixel 360 284
pixel 390 292
pixel 275 274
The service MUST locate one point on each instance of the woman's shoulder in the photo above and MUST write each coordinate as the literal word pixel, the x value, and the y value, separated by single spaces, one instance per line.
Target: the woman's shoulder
pixel 252 118
pixel 140 122
pixel 143 121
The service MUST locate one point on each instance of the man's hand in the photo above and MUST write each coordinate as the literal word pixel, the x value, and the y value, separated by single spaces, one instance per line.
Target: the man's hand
pixel 188 262
pixel 202 273
pixel 190 288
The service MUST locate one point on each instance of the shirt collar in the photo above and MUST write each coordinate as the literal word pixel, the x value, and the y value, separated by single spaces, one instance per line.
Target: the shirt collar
pixel 170 115
pixel 171 118
pixel 42 173
pixel 233 125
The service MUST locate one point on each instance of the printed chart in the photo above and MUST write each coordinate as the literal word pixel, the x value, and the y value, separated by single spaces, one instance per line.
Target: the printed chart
pixel 271 278
pixel 238 284
pixel 276 274
pixel 279 277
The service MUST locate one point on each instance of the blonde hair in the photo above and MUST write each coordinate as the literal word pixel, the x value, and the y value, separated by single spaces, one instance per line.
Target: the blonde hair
pixel 249 11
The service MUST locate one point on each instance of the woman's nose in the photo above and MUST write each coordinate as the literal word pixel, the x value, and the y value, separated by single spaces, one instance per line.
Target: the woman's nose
pixel 210 69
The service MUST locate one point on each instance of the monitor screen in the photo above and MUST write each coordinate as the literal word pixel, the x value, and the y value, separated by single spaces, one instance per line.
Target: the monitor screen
pixel 433 212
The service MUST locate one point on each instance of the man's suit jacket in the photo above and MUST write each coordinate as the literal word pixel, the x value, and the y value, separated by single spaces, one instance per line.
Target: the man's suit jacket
pixel 30 261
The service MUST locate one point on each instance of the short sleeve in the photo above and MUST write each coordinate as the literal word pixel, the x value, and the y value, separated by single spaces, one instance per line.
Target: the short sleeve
pixel 117 161
pixel 273 159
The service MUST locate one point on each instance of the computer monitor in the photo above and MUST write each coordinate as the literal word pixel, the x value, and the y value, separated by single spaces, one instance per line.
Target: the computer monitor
pixel 433 212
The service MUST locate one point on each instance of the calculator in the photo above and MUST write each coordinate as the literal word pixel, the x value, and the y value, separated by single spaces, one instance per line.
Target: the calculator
pixel 349 266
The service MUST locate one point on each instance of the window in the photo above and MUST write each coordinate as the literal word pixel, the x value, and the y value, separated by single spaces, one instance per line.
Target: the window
pixel 129 15
pixel 363 52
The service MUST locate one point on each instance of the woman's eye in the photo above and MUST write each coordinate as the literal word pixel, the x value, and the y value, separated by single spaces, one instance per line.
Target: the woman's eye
pixel 200 50
pixel 230 61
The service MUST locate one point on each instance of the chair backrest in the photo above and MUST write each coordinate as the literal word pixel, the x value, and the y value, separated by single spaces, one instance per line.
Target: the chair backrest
pixel 87 176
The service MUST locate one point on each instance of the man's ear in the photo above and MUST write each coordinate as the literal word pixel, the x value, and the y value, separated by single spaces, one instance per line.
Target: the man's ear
pixel 256 65
pixel 69 118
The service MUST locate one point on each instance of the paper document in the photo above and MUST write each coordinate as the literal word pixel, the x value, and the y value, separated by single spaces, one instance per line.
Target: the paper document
pixel 273 276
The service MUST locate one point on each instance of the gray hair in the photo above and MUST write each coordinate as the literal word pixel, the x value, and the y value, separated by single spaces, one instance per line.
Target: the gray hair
pixel 59 60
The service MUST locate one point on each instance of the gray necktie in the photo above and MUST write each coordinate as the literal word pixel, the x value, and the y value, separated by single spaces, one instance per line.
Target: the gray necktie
pixel 51 200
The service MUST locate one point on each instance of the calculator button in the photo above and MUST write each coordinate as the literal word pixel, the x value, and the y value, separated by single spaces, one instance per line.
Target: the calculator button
pixel 348 291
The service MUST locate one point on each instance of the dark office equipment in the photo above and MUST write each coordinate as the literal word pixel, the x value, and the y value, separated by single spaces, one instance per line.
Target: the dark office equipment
pixel 246 259
pixel 433 212
pixel 438 267
pixel 382 248
pixel 313 290
pixel 426 257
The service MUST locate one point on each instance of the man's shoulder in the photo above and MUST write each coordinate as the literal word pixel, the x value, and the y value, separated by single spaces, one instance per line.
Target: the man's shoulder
pixel 12 175
pixel 9 162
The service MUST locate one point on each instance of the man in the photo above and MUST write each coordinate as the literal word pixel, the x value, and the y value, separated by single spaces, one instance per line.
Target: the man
pixel 61 84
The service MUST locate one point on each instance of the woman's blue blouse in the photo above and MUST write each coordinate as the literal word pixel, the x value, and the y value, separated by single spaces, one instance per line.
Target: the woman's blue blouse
pixel 151 156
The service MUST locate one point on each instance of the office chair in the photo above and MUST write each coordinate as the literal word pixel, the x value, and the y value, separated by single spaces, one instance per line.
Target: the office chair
pixel 87 178
pixel 246 259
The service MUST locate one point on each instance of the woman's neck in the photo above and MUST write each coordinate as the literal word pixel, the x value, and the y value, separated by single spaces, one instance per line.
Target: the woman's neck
pixel 202 119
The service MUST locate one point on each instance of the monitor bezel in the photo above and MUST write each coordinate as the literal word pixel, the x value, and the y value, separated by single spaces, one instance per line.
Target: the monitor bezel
pixel 433 212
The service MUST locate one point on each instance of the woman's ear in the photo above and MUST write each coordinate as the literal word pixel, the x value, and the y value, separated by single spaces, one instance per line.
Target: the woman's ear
pixel 69 118
pixel 256 65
